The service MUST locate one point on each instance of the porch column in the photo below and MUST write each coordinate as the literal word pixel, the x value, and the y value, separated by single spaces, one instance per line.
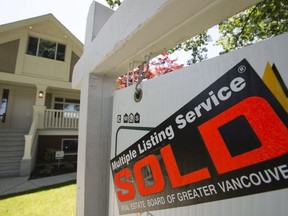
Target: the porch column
pixel 94 145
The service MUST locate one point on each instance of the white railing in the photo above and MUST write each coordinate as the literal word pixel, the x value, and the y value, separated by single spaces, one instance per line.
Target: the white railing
pixel 61 119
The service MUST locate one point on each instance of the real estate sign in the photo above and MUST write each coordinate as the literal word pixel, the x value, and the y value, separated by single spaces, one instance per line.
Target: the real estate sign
pixel 213 131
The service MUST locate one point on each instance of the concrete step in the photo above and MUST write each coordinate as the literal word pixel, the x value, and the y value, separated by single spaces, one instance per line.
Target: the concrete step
pixel 10 160
pixel 10 173
pixel 8 148
pixel 10 166
pixel 11 152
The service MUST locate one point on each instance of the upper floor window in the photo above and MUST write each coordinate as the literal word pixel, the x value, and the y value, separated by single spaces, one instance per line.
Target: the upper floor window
pixel 45 48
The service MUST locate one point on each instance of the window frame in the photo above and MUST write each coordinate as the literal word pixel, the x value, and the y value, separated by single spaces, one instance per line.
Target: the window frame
pixel 69 139
pixel 56 54
pixel 63 102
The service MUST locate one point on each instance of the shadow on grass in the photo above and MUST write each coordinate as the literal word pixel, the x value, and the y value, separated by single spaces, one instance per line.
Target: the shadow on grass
pixel 38 189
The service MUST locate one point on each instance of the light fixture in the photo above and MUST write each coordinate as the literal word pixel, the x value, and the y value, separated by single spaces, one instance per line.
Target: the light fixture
pixel 40 94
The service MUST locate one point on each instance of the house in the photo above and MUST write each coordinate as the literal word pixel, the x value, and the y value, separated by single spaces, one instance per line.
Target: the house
pixel 38 107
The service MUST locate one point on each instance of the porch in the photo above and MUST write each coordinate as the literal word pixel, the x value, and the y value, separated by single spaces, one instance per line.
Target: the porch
pixel 46 121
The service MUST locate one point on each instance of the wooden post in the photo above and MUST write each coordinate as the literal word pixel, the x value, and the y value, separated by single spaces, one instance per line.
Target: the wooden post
pixel 94 145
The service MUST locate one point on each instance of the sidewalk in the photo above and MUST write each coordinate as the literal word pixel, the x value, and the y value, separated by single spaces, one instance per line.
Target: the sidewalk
pixel 21 184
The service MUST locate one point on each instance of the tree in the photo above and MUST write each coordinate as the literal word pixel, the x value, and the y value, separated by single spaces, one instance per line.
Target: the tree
pixel 113 3
pixel 197 45
pixel 259 22
pixel 161 64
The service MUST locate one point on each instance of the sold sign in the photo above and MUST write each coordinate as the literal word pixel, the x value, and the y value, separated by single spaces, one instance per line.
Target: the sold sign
pixel 229 141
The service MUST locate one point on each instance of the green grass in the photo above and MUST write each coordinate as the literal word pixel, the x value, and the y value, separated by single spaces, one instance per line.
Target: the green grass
pixel 59 201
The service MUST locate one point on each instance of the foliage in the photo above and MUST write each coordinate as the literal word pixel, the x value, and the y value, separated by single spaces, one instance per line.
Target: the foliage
pixel 49 155
pixel 59 201
pixel 69 166
pixel 113 3
pixel 259 22
pixel 162 64
pixel 197 45
pixel 46 170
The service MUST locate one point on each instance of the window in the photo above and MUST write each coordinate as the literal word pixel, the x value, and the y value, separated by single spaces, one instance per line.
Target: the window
pixel 69 146
pixel 46 49
pixel 32 46
pixel 61 52
pixel 67 104
pixel 3 105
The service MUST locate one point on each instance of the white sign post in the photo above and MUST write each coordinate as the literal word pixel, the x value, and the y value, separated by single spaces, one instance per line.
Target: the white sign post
pixel 59 155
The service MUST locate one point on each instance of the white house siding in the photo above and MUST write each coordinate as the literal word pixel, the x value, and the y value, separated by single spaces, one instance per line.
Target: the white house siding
pixel 8 56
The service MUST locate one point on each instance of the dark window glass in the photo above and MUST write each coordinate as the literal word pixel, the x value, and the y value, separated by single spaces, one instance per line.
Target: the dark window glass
pixel 3 105
pixel 47 49
pixel 32 46
pixel 67 104
pixel 70 146
pixel 61 52
pixel 59 99
pixel 71 107
pixel 72 101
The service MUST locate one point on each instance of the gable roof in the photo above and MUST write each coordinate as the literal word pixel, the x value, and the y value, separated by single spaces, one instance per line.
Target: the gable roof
pixel 44 24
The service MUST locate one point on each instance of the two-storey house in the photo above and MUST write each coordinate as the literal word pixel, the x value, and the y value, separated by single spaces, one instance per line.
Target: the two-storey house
pixel 38 107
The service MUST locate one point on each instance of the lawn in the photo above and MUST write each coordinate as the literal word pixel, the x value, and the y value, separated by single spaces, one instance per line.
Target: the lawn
pixel 59 201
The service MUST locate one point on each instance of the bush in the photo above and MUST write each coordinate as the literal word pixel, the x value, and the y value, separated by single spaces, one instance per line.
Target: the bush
pixel 46 169
pixel 68 166
pixel 49 155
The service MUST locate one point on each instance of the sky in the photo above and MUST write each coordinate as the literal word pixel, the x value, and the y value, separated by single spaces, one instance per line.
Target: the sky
pixel 72 14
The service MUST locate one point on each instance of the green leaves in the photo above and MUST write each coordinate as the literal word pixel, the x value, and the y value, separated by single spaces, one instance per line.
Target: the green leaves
pixel 113 3
pixel 262 21
pixel 197 45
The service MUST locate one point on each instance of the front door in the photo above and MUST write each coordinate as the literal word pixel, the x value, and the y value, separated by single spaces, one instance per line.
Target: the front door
pixel 22 109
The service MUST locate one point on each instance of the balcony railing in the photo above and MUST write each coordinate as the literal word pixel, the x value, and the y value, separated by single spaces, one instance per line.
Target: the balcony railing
pixel 61 119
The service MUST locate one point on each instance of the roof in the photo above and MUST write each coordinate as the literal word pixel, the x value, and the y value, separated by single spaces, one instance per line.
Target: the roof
pixel 36 23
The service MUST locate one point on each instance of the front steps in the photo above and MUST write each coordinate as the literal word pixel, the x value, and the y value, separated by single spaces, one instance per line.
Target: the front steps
pixel 11 152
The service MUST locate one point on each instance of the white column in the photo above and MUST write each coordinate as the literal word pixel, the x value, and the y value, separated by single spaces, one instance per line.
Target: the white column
pixel 94 145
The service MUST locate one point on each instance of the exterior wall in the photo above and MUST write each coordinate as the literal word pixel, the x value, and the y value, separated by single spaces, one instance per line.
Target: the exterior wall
pixel 74 59
pixel 33 69
pixel 45 68
pixel 8 56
